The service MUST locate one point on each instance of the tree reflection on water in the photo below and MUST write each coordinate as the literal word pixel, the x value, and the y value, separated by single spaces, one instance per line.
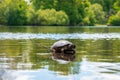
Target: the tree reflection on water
pixel 30 59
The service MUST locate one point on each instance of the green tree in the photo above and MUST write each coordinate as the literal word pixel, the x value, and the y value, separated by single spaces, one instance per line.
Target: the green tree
pixel 90 18
pixel 97 11
pixel 62 18
pixel 81 6
pixel 117 5
pixel 52 17
pixel 74 9
pixel 94 15
pixel 31 16
pixel 43 4
pixel 69 7
pixel 114 20
pixel 107 4
pixel 17 12
pixel 3 11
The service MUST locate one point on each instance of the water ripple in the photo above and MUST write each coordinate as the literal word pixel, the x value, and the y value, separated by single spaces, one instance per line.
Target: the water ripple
pixel 94 36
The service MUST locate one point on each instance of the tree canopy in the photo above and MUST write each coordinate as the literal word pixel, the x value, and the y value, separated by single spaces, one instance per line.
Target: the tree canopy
pixel 58 12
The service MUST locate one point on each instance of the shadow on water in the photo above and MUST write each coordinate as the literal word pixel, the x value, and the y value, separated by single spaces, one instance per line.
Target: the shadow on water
pixel 25 55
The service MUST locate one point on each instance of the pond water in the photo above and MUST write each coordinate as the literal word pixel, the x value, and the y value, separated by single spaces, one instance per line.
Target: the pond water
pixel 25 55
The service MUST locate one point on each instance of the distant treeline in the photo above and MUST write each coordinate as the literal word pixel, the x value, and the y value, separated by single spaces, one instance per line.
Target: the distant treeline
pixel 60 12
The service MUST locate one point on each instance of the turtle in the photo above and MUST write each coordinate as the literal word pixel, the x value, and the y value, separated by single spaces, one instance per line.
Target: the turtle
pixel 63 49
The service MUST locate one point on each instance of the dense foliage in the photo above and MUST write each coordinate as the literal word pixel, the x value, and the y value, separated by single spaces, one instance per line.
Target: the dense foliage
pixel 114 19
pixel 59 12
pixel 52 17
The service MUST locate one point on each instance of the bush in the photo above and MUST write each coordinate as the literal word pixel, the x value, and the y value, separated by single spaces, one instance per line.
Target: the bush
pixel 97 11
pixel 13 12
pixel 94 15
pixel 116 5
pixel 90 19
pixel 17 13
pixel 3 11
pixel 61 18
pixel 52 17
pixel 31 16
pixel 114 20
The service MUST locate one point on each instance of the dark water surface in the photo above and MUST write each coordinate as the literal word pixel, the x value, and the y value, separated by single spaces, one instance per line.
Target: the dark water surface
pixel 24 53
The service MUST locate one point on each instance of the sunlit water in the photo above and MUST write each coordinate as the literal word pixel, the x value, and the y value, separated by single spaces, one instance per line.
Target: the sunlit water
pixel 24 53
pixel 58 36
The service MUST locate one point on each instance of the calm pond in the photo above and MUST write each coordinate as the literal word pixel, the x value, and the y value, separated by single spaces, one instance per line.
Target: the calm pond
pixel 25 55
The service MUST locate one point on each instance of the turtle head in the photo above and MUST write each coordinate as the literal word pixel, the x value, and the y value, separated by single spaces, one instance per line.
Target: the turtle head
pixel 68 49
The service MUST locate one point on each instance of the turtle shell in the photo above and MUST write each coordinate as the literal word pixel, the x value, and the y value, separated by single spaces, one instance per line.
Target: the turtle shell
pixel 60 43
pixel 64 50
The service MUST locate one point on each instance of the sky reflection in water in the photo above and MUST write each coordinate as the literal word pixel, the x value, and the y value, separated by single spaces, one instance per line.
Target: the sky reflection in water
pixel 87 70
pixel 58 36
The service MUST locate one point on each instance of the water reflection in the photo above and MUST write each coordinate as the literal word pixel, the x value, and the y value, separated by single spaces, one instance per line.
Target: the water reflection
pixel 26 56
pixel 85 70
pixel 59 36
pixel 93 61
